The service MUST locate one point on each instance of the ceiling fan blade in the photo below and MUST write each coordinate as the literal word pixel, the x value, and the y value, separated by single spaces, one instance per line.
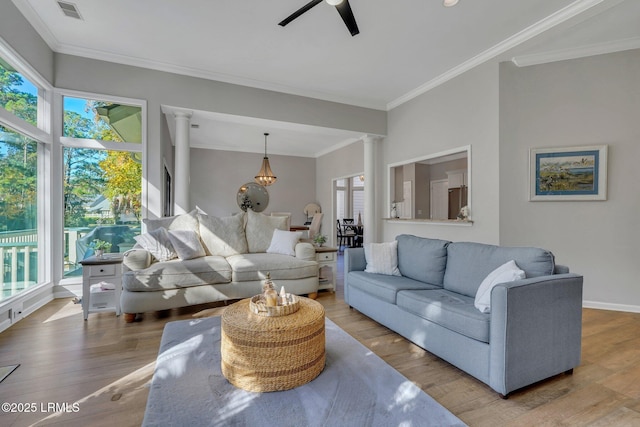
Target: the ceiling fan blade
pixel 344 9
pixel 299 12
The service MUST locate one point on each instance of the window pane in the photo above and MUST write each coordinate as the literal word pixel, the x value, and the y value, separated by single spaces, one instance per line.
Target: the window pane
pixel 17 94
pixel 18 213
pixel 358 203
pixel 105 121
pixel 357 181
pixel 102 200
pixel 340 199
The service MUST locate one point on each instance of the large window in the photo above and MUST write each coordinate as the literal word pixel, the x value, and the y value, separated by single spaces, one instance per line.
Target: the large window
pixel 102 177
pixel 18 212
pixel 17 94
pixel 19 182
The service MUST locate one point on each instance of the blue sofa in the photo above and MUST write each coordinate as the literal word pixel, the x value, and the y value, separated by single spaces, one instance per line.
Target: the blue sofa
pixel 534 328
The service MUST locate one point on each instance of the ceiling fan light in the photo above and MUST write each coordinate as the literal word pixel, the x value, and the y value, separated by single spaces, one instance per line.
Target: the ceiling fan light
pixel 334 2
pixel 449 3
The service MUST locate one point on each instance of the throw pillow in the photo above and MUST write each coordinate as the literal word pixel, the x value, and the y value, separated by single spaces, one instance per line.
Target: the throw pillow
pixel 259 230
pixel 507 272
pixel 223 236
pixel 284 242
pixel 188 221
pixel 186 243
pixel 382 258
pixel 157 243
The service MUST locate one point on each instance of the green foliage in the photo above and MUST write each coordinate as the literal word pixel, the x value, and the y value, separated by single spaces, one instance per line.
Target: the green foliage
pixel 101 245
pixel 22 104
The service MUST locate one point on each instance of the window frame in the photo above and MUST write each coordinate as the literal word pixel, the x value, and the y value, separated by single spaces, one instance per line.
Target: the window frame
pixel 65 141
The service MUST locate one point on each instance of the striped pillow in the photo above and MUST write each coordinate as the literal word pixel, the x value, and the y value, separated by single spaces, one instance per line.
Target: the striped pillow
pixel 382 258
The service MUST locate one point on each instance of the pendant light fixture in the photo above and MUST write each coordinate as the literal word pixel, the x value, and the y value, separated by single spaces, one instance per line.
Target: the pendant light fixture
pixel 265 176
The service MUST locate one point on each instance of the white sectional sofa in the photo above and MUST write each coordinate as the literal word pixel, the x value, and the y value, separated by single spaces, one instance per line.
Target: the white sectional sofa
pixel 239 251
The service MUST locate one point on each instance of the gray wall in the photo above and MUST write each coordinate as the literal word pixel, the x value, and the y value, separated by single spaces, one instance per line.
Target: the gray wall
pixel 346 162
pixel 589 101
pixel 161 88
pixel 463 111
pixel 217 175
pixel 21 36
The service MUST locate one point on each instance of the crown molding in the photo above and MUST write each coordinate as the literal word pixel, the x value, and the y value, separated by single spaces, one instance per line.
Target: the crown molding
pixel 575 53
pixel 34 19
pixel 568 12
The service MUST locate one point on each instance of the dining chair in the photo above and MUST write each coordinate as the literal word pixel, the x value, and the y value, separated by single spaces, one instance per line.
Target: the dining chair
pixel 316 223
pixel 287 214
pixel 344 239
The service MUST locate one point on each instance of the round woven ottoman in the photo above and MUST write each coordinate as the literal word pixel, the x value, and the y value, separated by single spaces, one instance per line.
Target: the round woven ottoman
pixel 262 353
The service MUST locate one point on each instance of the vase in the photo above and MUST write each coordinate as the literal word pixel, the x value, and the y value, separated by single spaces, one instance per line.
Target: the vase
pixel 99 253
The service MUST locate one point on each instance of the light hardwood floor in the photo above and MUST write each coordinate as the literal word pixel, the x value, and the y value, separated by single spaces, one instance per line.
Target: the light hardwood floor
pixel 105 366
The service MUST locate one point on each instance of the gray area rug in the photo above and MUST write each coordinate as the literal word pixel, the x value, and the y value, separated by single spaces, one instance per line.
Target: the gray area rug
pixel 356 388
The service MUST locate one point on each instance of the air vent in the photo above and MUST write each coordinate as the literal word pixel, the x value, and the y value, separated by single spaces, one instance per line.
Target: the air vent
pixel 69 9
pixel 195 126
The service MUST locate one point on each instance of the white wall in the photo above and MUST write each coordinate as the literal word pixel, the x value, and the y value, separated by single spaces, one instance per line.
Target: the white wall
pixel 217 175
pixel 463 111
pixel 589 101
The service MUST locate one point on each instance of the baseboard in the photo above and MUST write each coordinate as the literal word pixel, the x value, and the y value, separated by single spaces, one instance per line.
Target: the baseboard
pixel 611 306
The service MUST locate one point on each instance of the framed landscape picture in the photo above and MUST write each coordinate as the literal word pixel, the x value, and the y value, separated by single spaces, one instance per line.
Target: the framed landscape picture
pixel 569 173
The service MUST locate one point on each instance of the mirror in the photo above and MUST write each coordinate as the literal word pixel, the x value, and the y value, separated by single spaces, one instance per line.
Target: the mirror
pixel 434 187
pixel 252 196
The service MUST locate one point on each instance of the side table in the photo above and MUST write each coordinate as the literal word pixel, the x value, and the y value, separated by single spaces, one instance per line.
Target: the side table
pixel 96 270
pixel 326 257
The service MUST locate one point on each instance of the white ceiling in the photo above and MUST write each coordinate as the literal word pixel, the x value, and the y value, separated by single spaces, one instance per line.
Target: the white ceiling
pixel 404 48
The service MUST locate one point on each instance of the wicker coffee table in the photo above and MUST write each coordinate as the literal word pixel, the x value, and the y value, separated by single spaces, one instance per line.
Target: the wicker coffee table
pixel 272 353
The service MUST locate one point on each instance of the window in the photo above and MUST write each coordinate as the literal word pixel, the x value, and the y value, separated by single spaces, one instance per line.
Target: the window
pixel 18 212
pixel 357 196
pixel 102 177
pixel 17 94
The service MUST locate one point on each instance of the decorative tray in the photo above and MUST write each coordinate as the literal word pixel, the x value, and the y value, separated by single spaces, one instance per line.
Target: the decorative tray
pixel 258 306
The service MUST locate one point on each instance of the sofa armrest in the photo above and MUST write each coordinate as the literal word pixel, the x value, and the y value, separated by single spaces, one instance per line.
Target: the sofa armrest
pixel 136 259
pixel 536 330
pixel 354 260
pixel 305 251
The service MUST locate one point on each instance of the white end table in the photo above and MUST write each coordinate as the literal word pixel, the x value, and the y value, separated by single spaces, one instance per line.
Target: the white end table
pixel 326 258
pixel 96 270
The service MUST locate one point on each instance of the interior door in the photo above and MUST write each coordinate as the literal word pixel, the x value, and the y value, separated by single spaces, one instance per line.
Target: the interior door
pixel 439 199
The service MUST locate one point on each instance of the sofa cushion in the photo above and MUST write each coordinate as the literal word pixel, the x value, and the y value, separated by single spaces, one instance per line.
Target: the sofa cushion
pixel 421 258
pixel 223 236
pixel 384 287
pixel 507 272
pixel 158 244
pixel 450 310
pixel 186 244
pixel 259 230
pixel 382 258
pixel 469 263
pixel 248 267
pixel 188 221
pixel 176 274
pixel 284 242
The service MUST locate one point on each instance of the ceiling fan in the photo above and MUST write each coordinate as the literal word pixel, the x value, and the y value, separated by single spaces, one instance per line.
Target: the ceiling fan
pixel 343 7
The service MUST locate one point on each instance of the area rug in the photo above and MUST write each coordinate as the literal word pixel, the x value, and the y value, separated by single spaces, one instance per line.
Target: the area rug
pixel 356 388
pixel 5 371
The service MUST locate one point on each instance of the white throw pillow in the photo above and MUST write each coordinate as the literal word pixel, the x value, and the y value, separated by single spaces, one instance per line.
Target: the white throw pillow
pixel 188 221
pixel 157 242
pixel 507 272
pixel 223 236
pixel 382 258
pixel 284 242
pixel 186 243
pixel 259 230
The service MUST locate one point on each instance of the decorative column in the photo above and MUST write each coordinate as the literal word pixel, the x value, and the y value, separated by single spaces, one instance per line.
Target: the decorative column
pixel 182 162
pixel 369 221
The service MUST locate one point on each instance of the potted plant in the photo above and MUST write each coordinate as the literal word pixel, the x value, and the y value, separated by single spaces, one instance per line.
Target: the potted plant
pixel 319 239
pixel 100 246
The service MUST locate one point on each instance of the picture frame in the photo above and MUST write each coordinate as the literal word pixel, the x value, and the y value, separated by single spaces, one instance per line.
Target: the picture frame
pixel 568 173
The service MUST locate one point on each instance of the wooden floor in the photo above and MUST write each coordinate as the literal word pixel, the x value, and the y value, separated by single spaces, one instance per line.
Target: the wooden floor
pixel 105 366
